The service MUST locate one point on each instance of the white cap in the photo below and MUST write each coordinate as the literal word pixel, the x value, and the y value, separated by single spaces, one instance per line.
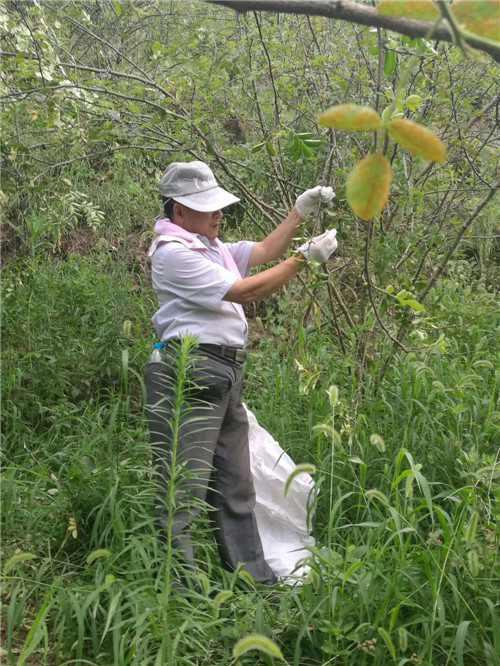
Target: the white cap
pixel 193 184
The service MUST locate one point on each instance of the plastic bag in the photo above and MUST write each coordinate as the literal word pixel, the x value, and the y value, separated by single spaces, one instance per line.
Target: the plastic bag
pixel 282 521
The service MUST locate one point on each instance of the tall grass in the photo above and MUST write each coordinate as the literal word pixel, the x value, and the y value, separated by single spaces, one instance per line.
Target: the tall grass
pixel 406 567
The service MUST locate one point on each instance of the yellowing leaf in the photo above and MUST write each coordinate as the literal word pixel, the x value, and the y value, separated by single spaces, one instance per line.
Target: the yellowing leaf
pixel 416 9
pixel 418 139
pixel 367 186
pixel 479 16
pixel 350 117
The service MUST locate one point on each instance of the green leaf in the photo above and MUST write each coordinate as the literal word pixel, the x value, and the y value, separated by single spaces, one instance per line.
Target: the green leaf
pixel 244 575
pixel 314 144
pixel 352 568
pixel 257 642
pixel 36 632
pixel 413 101
pixel 389 62
pixel 112 612
pixel 386 115
pixel 298 147
pixel 460 640
pixel 367 186
pixel 413 304
pixel 117 7
pixel 270 149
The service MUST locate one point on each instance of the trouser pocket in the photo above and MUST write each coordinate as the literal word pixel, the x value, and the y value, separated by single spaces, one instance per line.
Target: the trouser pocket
pixel 210 378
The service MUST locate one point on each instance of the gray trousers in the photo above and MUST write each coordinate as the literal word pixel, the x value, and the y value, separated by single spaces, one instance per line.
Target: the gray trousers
pixel 212 461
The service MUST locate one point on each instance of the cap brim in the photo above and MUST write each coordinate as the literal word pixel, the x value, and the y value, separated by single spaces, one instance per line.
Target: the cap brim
pixel 208 201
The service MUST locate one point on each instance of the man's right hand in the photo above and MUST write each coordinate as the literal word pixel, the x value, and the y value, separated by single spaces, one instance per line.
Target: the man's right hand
pixel 320 248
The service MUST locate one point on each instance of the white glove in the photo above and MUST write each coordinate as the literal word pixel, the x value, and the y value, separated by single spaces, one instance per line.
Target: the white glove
pixel 321 247
pixel 309 201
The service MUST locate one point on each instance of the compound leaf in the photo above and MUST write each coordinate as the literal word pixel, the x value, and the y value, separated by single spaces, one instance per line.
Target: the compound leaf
pixel 367 186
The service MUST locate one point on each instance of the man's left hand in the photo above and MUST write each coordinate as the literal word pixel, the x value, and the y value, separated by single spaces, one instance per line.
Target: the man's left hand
pixel 310 200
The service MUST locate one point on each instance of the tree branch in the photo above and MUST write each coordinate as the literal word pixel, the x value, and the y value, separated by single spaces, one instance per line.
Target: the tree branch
pixel 439 269
pixel 358 13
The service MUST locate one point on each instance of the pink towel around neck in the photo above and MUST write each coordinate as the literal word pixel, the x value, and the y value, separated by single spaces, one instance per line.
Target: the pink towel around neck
pixel 166 231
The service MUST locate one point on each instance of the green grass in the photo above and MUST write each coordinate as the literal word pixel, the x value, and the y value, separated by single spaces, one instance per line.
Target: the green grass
pixel 406 568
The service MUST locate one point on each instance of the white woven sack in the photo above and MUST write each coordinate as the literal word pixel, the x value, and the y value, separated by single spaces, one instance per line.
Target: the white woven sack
pixel 282 521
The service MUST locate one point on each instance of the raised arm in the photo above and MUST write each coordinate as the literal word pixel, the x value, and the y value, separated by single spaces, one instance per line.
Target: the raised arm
pixel 278 241
pixel 248 290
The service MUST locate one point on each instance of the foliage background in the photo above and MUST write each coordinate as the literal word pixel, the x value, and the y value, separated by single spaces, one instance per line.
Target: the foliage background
pixel 97 98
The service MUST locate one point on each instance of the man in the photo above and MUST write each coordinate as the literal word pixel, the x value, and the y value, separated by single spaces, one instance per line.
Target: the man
pixel 201 285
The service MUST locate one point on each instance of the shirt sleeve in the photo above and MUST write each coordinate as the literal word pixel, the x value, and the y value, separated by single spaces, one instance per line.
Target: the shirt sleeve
pixel 189 275
pixel 241 252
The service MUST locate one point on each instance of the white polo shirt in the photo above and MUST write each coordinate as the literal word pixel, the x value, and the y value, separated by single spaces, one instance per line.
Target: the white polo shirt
pixel 190 285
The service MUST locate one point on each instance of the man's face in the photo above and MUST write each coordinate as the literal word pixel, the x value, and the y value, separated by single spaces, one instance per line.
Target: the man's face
pixel 205 224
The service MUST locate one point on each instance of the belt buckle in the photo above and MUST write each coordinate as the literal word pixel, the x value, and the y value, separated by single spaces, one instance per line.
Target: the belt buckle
pixel 240 355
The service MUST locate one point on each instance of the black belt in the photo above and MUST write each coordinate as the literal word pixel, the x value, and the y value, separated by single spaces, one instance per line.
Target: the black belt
pixel 233 353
